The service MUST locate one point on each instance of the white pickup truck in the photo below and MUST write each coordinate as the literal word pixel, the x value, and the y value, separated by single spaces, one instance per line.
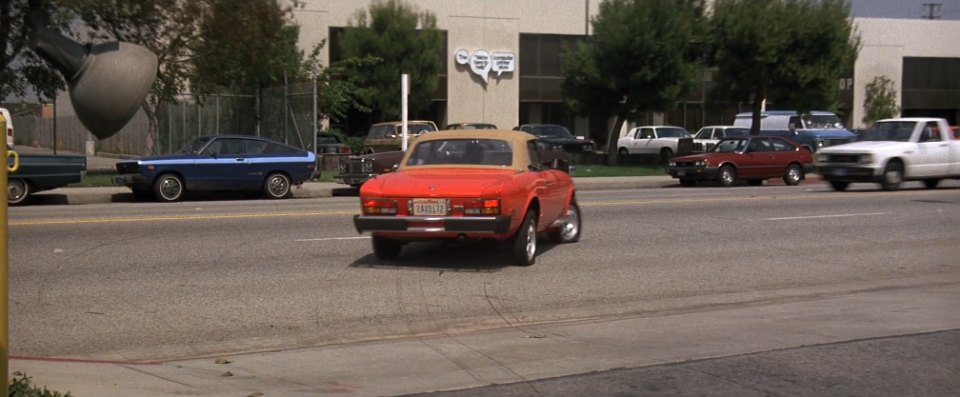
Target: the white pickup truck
pixel 662 140
pixel 893 151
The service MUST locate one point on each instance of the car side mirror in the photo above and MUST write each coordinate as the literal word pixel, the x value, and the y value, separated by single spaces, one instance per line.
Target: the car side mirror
pixel 395 167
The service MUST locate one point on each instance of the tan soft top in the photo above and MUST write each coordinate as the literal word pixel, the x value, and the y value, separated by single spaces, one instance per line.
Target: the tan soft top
pixel 517 139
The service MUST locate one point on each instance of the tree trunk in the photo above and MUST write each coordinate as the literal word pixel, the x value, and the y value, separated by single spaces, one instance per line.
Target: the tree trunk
pixel 758 97
pixel 153 129
pixel 612 137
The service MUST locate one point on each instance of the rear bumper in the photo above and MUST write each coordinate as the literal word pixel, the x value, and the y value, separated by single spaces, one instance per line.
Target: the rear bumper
pixel 353 179
pixel 847 173
pixel 492 225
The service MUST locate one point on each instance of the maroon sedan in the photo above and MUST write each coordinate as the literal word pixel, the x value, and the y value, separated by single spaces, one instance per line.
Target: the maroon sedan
pixel 752 158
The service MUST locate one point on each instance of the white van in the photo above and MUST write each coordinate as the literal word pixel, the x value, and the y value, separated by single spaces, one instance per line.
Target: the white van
pixel 9 119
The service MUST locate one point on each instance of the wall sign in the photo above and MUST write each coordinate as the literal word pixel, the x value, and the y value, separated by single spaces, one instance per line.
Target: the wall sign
pixel 481 62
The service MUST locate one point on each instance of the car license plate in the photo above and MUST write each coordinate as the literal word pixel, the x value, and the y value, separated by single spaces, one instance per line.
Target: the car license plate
pixel 681 173
pixel 840 171
pixel 429 206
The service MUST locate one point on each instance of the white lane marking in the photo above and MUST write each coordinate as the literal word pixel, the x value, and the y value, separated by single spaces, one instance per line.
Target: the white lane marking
pixel 789 218
pixel 331 239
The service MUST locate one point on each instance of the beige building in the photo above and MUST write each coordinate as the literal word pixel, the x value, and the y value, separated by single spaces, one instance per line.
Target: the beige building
pixel 918 55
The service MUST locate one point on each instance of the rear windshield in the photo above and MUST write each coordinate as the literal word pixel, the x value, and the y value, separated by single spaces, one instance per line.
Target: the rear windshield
pixel 462 152
pixel 549 131
pixel 673 133
pixel 889 131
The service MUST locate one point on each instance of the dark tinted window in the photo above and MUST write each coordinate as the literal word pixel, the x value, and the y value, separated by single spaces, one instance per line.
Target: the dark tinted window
pixel 225 147
pixel 548 131
pixel 735 132
pixel 782 146
pixel 673 133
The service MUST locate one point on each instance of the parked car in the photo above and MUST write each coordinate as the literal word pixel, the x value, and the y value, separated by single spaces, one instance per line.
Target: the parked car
pixel 328 143
pixel 707 137
pixel 813 130
pixel 385 137
pixel 559 137
pixel 220 163
pixel 662 140
pixel 355 170
pixel 471 126
pixel 39 172
pixel 893 151
pixel 752 158
pixel 459 185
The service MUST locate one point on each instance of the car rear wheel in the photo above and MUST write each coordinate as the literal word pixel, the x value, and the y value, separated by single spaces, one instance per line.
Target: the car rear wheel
pixel 385 248
pixel 793 176
pixel 839 186
pixel 569 229
pixel 17 191
pixel 892 176
pixel 277 186
pixel 524 249
pixel 687 182
pixel 168 188
pixel 931 183
pixel 727 175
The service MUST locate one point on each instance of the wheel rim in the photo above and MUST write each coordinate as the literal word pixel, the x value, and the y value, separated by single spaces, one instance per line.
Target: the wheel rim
pixel 278 186
pixel 531 241
pixel 893 176
pixel 170 188
pixel 571 225
pixel 793 174
pixel 726 175
pixel 15 190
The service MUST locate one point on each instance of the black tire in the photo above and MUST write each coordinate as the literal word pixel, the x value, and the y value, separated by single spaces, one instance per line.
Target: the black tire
pixel 755 182
pixel 839 186
pixel 727 175
pixel 931 183
pixel 686 182
pixel 524 247
pixel 18 191
pixel 385 248
pixel 793 175
pixel 277 186
pixel 892 176
pixel 666 154
pixel 169 188
pixel 623 155
pixel 569 230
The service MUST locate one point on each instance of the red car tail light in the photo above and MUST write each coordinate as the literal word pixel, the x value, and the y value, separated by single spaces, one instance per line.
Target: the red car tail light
pixel 379 206
pixel 345 150
pixel 481 207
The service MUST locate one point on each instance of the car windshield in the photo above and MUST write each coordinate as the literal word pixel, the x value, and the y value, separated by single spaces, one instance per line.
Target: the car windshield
pixel 195 145
pixel 730 145
pixel 549 131
pixel 416 129
pixel 462 151
pixel 822 121
pixel 673 133
pixel 899 131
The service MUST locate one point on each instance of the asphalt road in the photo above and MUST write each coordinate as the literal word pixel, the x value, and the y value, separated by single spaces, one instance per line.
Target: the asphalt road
pixel 144 281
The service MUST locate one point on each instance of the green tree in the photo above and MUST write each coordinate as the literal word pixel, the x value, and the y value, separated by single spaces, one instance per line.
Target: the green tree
pixel 642 57
pixel 405 40
pixel 166 27
pixel 245 44
pixel 880 101
pixel 788 52
pixel 23 70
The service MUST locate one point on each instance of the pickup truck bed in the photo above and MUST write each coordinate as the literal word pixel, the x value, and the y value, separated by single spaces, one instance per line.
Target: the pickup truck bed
pixel 38 172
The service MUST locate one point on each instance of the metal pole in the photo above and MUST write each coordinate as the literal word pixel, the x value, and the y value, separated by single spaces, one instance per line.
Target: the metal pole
pixel 4 273
pixel 218 114
pixel 54 123
pixel 169 129
pixel 315 121
pixel 404 89
pixel 286 106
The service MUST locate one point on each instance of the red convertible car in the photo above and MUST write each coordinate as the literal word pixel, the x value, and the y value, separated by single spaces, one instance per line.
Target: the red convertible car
pixel 752 158
pixel 471 184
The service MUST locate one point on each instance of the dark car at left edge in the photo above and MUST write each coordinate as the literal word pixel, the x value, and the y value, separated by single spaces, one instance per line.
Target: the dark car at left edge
pixel 559 137
pixel 220 163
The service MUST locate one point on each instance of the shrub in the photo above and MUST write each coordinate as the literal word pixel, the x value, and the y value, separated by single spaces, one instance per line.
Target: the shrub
pixel 22 387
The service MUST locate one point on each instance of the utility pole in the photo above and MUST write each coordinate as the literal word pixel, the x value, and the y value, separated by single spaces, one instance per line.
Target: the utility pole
pixel 933 10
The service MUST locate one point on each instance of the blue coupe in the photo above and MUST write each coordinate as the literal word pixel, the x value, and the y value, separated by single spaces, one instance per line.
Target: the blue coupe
pixel 220 163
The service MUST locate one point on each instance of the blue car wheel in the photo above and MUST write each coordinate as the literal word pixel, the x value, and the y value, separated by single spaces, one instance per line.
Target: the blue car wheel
pixel 277 186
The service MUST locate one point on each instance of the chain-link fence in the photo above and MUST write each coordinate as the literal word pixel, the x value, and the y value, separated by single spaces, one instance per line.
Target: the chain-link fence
pixel 286 113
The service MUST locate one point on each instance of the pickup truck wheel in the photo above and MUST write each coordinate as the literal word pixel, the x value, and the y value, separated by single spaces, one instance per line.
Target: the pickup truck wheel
pixel 839 186
pixel 727 176
pixel 931 183
pixel 17 191
pixel 622 156
pixel 569 229
pixel 686 182
pixel 169 188
pixel 385 248
pixel 793 176
pixel 277 186
pixel 524 249
pixel 892 176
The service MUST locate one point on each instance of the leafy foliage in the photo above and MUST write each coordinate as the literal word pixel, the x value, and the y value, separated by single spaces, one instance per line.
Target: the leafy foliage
pixel 881 100
pixel 405 41
pixel 22 387
pixel 642 57
pixel 340 89
pixel 23 70
pixel 245 44
pixel 789 52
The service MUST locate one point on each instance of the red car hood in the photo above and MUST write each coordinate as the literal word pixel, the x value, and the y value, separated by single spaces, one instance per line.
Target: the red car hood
pixel 438 183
